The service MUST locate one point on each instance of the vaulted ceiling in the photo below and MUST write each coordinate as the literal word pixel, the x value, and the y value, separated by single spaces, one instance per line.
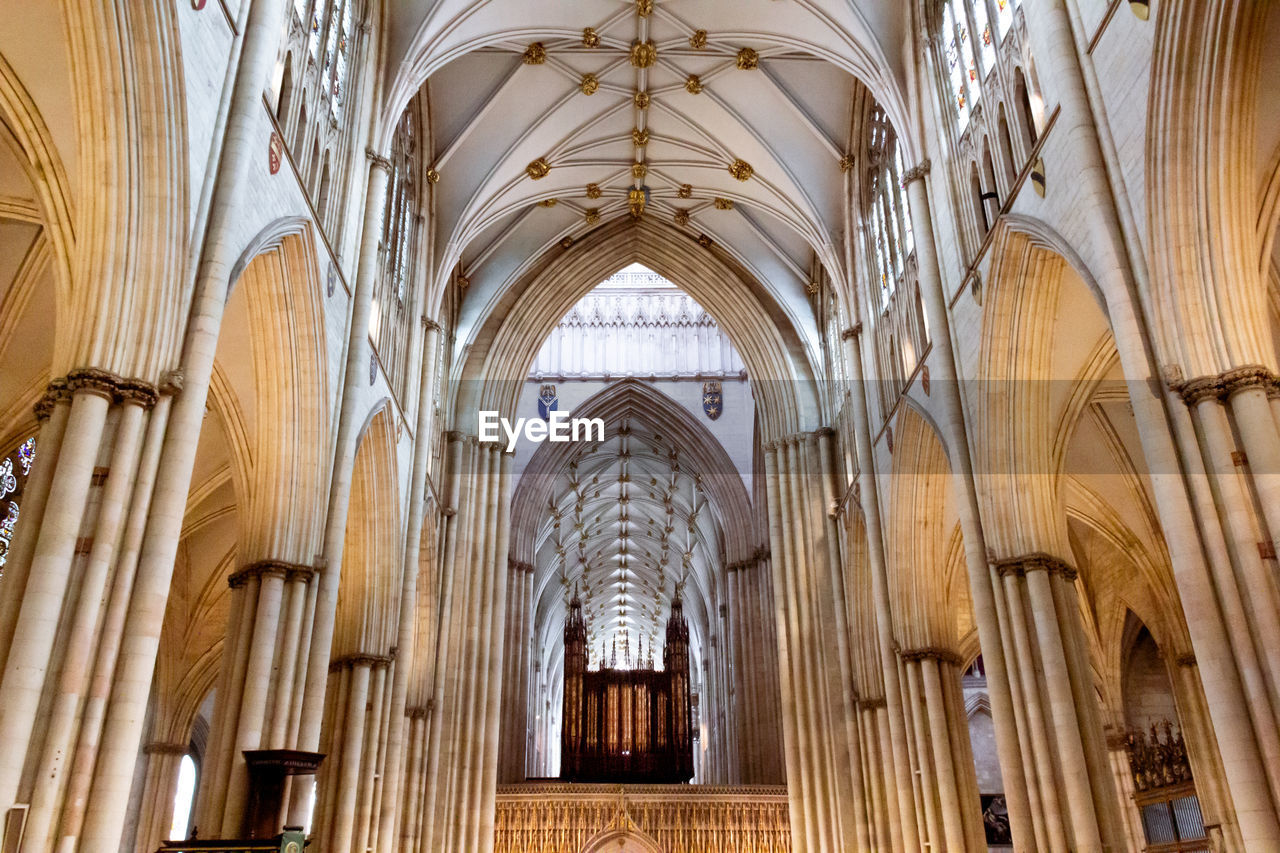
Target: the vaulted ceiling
pixel 731 116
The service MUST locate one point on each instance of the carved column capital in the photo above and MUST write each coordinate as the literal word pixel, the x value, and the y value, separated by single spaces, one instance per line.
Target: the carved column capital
pixel 56 392
pixel 272 568
pixel 917 172
pixel 1035 562
pixel 377 160
pixel 852 332
pixel 930 653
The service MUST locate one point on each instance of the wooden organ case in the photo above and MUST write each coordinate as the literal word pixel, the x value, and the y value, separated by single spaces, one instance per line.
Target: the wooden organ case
pixel 626 725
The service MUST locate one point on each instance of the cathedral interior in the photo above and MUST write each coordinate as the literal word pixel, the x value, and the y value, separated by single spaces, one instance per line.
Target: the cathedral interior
pixel 890 405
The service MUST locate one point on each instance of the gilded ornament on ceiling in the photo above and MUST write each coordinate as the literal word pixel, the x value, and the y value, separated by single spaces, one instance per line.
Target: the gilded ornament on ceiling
pixel 748 59
pixel 639 138
pixel 590 38
pixel 433 176
pixel 464 282
pixel 535 54
pixel 705 242
pixel 538 169
pixel 592 216
pixel 693 85
pixel 812 288
pixel 566 243
pixel 639 170
pixel 698 40
pixel 548 202
pixel 636 201
pixel 644 8
pixel 685 191
pixel 682 217
pixel 642 100
pixel 723 203
pixel 593 191
pixel 590 84
pixel 643 54
pixel 846 162
pixel 741 170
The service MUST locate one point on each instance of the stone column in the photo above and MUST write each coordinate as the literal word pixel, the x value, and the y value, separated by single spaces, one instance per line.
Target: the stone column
pixel 939 716
pixel 104 806
pixel 515 679
pixel 350 422
pixel 164 760
pixel 409 660
pixel 68 587
pixel 902 811
pixel 462 769
pixel 259 692
pixel 955 433
pixel 1059 690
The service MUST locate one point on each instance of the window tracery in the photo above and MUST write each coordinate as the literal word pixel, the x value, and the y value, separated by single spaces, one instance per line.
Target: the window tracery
pixel 14 470
pixel 983 64
pixel 315 93
pixel 394 305
pixel 895 313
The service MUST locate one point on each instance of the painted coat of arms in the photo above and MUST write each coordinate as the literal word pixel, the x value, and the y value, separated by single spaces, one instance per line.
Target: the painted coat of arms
pixel 712 399
pixel 547 401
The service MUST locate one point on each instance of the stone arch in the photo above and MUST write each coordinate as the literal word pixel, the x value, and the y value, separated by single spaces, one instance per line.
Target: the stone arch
pixel 920 522
pixel 1033 382
pixel 132 137
pixel 23 130
pixel 632 398
pixel 369 585
pixel 508 340
pixel 277 292
pixel 1202 188
pixel 626 840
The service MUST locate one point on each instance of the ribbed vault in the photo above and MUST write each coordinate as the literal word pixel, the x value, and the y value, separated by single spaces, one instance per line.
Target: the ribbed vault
pixel 656 506
pixel 729 120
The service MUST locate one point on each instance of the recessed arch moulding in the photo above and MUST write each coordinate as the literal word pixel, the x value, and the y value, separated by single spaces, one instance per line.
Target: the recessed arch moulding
pixel 505 346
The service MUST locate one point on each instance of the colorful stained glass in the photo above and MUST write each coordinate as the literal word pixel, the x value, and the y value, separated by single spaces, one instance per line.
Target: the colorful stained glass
pixel 981 23
pixel 955 72
pixel 1004 15
pixel 14 470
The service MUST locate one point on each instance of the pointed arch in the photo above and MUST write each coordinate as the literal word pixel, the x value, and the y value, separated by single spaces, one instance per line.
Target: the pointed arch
pixel 508 340
pixel 921 525
pixel 637 401
pixel 369 588
pixel 280 289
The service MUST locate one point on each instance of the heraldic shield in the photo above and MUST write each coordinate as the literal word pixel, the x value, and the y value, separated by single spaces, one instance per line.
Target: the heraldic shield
pixel 547 401
pixel 712 399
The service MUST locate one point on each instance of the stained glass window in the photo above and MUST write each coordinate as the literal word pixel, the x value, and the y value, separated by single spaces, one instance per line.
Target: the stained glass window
pixel 908 233
pixel 1004 14
pixel 955 69
pixel 986 41
pixel 14 470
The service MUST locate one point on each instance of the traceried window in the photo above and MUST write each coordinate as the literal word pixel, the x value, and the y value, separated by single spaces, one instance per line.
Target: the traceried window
pixel 14 470
pixel 969 48
pixel 983 66
pixel 400 225
pixel 316 77
pixel 894 311
pixel 892 237
pixel 329 24
pixel 335 55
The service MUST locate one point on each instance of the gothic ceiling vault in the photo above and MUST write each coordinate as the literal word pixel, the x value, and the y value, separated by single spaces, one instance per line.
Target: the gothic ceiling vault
pixel 724 118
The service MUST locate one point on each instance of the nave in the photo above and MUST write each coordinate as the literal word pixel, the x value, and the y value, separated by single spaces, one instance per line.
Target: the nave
pixel 933 349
